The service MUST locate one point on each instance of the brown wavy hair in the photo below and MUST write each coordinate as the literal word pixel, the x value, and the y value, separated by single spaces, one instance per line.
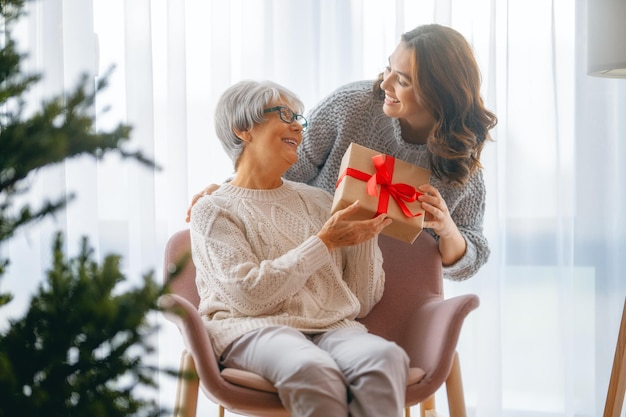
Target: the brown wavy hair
pixel 448 82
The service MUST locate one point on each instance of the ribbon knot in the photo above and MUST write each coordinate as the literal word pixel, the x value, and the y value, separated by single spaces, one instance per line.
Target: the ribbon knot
pixel 400 192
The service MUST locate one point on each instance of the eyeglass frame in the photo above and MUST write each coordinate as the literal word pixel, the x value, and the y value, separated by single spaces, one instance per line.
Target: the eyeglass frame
pixel 294 116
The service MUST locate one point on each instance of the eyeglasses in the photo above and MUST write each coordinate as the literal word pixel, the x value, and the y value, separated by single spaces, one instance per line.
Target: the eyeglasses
pixel 288 116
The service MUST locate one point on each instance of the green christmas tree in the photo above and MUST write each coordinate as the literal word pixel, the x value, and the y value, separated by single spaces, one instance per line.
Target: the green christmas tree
pixel 79 350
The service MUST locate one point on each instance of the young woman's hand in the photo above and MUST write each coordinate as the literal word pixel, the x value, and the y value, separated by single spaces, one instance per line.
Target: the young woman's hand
pixel 437 214
pixel 338 231
pixel 452 245
pixel 208 190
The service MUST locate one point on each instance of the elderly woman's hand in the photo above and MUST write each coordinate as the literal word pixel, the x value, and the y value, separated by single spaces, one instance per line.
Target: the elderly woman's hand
pixel 338 231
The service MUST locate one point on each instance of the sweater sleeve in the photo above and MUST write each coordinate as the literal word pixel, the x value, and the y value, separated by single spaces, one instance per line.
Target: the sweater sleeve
pixel 468 213
pixel 364 274
pixel 342 117
pixel 227 266
pixel 317 141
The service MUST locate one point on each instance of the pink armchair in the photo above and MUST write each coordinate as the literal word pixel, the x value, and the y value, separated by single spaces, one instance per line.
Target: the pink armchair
pixel 412 312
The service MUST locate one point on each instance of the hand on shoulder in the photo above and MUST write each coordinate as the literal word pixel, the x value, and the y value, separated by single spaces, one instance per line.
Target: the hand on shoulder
pixel 207 191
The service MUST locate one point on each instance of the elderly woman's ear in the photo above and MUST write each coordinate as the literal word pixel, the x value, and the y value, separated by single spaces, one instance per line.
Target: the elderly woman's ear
pixel 244 135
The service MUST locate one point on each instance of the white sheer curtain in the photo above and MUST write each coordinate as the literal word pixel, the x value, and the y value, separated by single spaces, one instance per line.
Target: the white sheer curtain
pixel 542 342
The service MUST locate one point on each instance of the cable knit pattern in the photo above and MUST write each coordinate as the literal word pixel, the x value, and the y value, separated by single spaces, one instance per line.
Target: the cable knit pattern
pixel 259 263
pixel 353 114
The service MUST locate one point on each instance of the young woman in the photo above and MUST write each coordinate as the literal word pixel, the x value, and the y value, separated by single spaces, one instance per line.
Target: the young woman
pixel 426 109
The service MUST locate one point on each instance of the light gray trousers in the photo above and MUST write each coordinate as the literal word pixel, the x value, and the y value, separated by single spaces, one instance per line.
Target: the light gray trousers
pixel 344 372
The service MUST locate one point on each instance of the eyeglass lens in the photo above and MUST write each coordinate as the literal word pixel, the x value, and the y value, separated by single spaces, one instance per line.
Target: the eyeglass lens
pixel 288 116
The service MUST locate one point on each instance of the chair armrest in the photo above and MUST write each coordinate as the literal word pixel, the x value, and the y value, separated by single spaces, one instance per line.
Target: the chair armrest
pixel 433 333
pixel 198 343
pixel 195 337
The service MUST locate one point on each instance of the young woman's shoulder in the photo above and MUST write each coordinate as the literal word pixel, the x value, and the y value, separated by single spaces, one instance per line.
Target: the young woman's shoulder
pixel 348 102
pixel 357 87
pixel 357 90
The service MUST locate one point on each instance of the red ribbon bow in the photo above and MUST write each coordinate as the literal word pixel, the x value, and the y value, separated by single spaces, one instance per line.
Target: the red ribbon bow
pixel 400 192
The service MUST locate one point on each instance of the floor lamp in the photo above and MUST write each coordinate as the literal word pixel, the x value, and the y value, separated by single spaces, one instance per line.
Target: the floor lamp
pixel 606 38
pixel 617 383
pixel 606 57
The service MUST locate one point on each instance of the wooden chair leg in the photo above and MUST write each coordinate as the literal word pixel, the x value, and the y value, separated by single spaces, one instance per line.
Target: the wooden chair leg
pixel 617 383
pixel 407 412
pixel 454 388
pixel 427 405
pixel 220 411
pixel 187 388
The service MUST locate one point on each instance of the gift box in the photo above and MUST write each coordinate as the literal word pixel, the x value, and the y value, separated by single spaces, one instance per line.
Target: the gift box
pixel 383 184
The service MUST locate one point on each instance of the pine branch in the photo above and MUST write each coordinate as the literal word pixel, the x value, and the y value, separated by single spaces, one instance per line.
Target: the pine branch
pixel 79 349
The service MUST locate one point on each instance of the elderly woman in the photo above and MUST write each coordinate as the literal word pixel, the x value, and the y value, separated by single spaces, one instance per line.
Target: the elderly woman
pixel 280 282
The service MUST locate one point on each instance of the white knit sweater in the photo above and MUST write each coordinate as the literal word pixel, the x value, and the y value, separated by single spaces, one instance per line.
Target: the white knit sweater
pixel 259 263
pixel 353 113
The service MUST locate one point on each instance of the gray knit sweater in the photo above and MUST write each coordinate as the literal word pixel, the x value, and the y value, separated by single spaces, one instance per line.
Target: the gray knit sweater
pixel 354 114
pixel 259 263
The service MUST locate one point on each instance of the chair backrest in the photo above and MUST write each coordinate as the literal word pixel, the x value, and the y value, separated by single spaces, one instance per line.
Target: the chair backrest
pixel 412 274
pixel 179 272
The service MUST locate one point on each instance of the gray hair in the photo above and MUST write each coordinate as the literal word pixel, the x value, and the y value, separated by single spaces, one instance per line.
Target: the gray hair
pixel 241 107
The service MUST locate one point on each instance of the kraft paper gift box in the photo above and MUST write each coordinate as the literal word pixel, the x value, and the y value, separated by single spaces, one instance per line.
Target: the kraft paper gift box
pixel 382 184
